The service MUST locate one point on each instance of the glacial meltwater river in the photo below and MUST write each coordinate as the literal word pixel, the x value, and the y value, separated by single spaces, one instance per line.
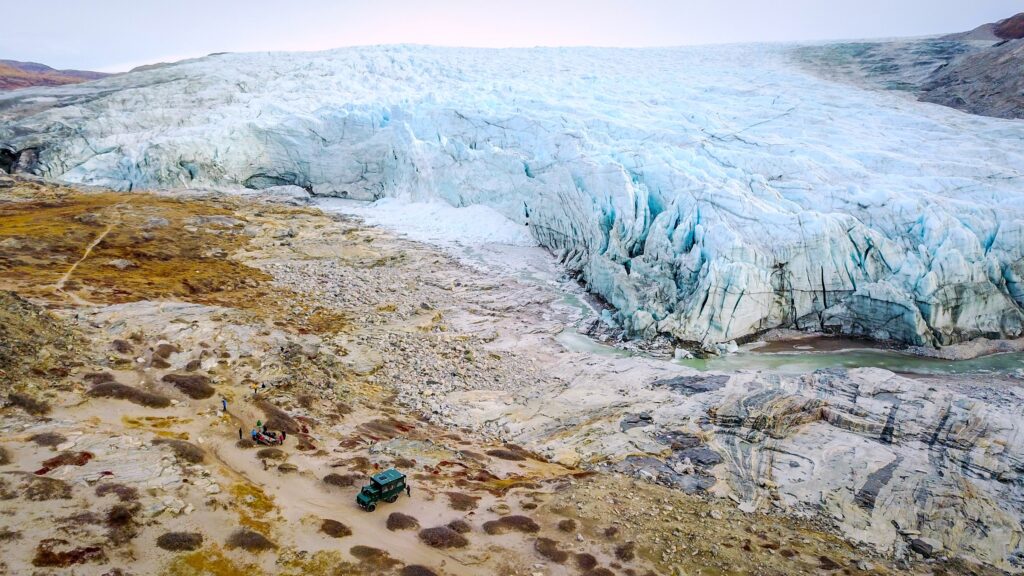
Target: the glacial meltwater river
pixel 809 361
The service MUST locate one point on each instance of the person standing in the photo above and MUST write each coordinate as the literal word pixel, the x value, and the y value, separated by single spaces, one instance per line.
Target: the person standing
pixel 224 403
pixel 239 433
pixel 408 491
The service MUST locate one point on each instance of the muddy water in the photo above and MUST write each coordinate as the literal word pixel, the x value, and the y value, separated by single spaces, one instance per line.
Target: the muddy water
pixel 802 362
pixel 805 361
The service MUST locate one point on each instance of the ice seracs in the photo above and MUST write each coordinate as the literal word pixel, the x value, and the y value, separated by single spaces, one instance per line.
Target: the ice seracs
pixel 707 193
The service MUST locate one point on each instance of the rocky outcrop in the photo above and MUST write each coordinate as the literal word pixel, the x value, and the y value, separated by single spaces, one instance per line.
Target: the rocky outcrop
pixel 698 206
pixel 889 458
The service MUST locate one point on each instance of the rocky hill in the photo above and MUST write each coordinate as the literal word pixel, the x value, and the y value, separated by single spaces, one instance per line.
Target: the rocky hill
pixel 1011 28
pixel 15 75
pixel 987 79
pixel 976 71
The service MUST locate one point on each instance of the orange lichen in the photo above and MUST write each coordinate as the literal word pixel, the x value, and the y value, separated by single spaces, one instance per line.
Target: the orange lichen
pixel 143 247
pixel 253 507
pixel 209 561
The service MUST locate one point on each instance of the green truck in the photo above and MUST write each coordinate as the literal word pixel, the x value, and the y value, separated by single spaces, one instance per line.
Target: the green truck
pixel 387 486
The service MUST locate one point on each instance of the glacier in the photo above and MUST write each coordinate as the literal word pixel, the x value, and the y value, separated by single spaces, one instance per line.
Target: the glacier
pixel 707 193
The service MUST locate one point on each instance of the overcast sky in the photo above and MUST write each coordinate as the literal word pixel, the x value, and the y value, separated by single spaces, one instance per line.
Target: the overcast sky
pixel 115 35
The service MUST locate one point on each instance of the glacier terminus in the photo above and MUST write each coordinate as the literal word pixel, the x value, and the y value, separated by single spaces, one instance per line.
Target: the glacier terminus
pixel 707 193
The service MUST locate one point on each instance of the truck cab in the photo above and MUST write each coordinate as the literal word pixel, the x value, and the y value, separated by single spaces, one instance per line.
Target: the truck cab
pixel 387 486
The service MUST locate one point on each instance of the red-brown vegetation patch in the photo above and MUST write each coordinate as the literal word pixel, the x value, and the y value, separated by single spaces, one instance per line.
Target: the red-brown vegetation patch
pixel 41 488
pixel 514 522
pixel 249 541
pixel 357 463
pixel 402 463
pixel 271 454
pixel 443 537
pixel 473 455
pixel 48 439
pixel 567 525
pixel 98 377
pixel 506 454
pixel 122 346
pixel 57 553
pixel 351 442
pixel 65 459
pixel 384 429
pixel 120 521
pixel 626 551
pixel 334 529
pixel 117 391
pixel 278 419
pixel 460 526
pixel 373 559
pixel 180 541
pixel 398 521
pixel 462 502
pixel 342 480
pixel 585 561
pixel 549 549
pixel 165 349
pixel 29 404
pixel 183 449
pixel 416 570
pixel 123 493
pixel 195 386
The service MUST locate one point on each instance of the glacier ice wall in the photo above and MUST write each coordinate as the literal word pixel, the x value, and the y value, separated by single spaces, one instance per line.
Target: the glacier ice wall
pixel 707 193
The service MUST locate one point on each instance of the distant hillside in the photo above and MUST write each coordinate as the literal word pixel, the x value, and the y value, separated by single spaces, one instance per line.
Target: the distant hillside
pixel 978 71
pixel 14 75
pixel 986 82
pixel 1011 28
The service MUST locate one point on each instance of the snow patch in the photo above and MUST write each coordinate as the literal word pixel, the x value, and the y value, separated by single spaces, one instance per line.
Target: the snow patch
pixel 436 222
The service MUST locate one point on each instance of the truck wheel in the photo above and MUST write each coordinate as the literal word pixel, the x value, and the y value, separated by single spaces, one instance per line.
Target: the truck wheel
pixel 371 507
pixel 392 500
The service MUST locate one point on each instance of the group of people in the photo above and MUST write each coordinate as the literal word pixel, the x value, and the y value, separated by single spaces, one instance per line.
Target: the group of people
pixel 262 435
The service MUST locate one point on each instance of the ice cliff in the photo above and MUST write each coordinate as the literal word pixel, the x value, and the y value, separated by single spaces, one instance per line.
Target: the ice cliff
pixel 707 193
